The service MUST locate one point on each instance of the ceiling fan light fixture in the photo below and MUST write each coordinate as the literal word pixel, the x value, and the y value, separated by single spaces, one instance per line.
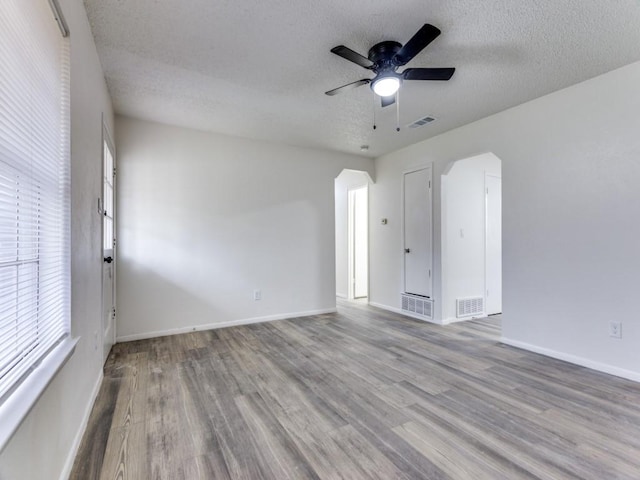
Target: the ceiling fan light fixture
pixel 385 86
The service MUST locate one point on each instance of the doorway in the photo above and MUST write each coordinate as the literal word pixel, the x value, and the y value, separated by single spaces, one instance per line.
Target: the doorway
pixel 108 245
pixel 351 193
pixel 358 242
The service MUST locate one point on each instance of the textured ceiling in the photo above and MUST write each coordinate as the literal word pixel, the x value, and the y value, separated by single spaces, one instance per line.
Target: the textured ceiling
pixel 259 68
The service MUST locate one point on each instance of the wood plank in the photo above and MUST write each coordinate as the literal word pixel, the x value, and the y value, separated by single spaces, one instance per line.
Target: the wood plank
pixel 125 456
pixel 279 452
pixel 89 460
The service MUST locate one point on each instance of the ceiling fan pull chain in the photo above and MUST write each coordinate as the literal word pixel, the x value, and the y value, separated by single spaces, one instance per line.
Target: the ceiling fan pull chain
pixel 398 111
pixel 374 111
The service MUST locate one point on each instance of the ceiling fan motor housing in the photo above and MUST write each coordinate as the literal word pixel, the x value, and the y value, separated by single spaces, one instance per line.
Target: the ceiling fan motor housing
pixel 382 54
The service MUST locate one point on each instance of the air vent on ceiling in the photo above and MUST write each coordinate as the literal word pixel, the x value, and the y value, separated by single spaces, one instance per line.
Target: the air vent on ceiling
pixel 416 306
pixel 467 307
pixel 420 122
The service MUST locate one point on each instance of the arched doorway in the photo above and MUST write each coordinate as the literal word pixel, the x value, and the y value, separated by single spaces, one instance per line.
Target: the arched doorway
pixel 471 199
pixel 352 234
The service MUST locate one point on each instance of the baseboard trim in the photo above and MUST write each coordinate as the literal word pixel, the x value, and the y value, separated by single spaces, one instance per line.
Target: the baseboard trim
pixel 450 320
pixel 583 362
pixel 403 313
pixel 341 295
pixel 68 464
pixel 214 326
pixel 386 307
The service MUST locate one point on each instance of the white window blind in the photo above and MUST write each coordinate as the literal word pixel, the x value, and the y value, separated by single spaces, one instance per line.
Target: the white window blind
pixel 34 188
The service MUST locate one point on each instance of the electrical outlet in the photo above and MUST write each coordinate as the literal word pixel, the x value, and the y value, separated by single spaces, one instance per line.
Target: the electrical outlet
pixel 257 295
pixel 615 329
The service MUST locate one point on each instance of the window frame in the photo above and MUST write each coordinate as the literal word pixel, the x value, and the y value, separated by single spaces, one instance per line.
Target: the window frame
pixel 47 352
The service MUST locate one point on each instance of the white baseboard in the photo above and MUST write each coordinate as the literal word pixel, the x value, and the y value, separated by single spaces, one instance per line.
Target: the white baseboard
pixel 68 464
pixel 213 326
pixel 583 362
pixel 449 320
pixel 402 312
pixel 386 307
pixel 341 295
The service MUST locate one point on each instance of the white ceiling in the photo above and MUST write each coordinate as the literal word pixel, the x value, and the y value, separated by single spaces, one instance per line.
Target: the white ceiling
pixel 259 68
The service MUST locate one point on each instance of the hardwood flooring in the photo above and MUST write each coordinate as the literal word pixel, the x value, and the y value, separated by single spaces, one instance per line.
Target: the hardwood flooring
pixel 362 394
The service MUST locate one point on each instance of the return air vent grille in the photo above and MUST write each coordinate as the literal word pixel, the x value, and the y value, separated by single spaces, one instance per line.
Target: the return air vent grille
pixel 420 122
pixel 466 307
pixel 417 306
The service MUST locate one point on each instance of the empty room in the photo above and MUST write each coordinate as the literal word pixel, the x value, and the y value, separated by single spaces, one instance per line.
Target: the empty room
pixel 319 240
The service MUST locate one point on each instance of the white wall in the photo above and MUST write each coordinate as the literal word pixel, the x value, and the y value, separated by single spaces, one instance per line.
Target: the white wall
pixel 347 180
pixel 463 229
pixel 44 445
pixel 205 219
pixel 571 201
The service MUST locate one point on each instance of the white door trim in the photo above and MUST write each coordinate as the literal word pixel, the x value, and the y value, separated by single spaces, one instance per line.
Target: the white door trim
pixel 402 221
pixel 486 234
pixel 352 249
pixel 107 139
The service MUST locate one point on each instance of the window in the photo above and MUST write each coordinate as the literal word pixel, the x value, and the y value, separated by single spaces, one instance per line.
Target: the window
pixel 34 189
pixel 108 210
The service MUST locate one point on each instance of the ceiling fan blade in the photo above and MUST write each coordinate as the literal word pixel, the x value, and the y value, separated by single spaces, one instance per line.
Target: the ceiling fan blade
pixel 352 56
pixel 348 86
pixel 390 100
pixel 428 73
pixel 422 38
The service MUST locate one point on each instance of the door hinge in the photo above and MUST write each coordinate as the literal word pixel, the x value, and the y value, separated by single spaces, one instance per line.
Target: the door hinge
pixel 114 171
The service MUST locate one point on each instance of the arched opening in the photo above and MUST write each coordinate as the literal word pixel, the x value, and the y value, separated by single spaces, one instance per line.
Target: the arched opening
pixel 352 234
pixel 471 199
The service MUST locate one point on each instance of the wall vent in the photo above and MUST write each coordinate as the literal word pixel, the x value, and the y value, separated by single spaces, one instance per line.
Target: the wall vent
pixel 420 122
pixel 466 307
pixel 417 306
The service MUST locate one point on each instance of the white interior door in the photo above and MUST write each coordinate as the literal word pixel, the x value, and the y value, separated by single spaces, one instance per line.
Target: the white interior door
pixel 417 232
pixel 359 239
pixel 108 247
pixel 493 267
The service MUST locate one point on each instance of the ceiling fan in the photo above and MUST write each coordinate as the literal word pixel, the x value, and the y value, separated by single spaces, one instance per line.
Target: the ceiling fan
pixel 384 58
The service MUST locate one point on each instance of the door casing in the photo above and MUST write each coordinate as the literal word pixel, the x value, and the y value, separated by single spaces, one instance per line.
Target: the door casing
pixel 418 261
pixel 493 244
pixel 358 237
pixel 108 269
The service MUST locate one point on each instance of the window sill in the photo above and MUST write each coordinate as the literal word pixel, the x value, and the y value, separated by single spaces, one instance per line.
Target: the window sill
pixel 18 405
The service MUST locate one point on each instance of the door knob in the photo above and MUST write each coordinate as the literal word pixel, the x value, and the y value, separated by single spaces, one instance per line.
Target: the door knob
pixel 108 259
pixel 407 250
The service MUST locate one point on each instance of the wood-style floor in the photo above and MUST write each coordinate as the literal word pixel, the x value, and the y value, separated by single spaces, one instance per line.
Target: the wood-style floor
pixel 360 394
